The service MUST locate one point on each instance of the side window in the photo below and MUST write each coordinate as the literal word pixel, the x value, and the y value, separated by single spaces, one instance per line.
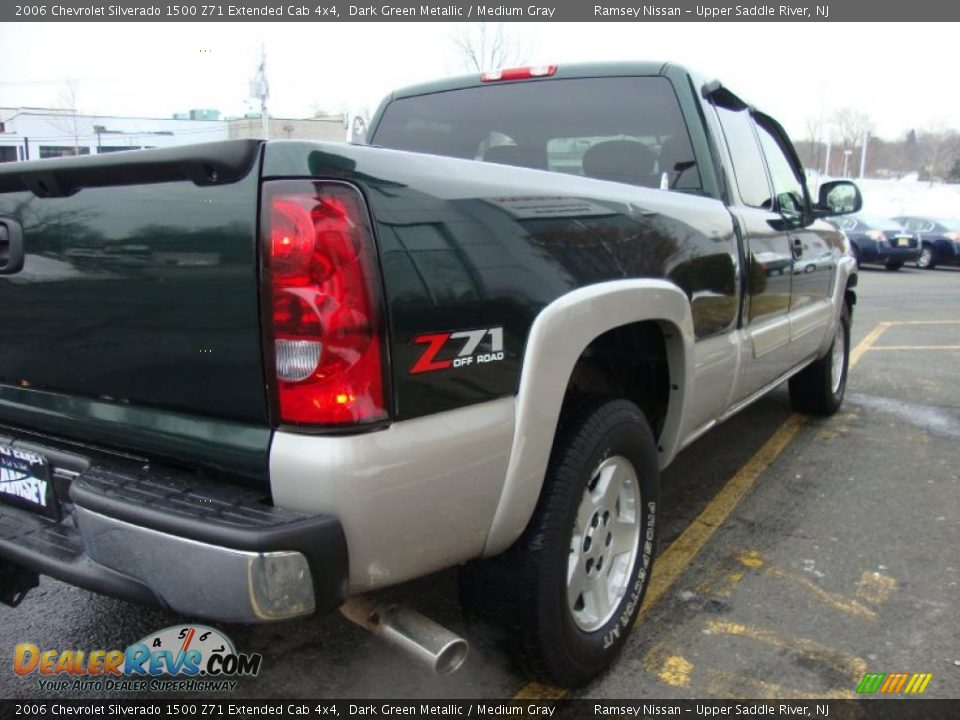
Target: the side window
pixel 786 185
pixel 751 174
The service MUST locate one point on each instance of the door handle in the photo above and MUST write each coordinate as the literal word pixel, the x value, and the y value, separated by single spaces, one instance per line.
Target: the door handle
pixel 11 247
pixel 797 247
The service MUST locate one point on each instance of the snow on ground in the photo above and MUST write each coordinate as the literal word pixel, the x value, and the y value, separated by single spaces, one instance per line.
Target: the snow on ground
pixel 903 197
pixel 889 198
pixel 37 268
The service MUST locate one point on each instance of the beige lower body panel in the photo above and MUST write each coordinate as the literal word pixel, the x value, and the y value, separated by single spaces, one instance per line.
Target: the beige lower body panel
pixel 414 498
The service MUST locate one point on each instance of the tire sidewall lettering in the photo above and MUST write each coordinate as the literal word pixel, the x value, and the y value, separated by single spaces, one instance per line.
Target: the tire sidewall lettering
pixel 646 550
pixel 615 632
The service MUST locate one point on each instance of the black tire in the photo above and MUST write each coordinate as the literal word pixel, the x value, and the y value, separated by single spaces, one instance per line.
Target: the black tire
pixel 525 589
pixel 893 265
pixel 815 390
pixel 927 260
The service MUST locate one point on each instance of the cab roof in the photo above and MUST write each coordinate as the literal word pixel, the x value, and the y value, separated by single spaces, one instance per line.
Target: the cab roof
pixel 564 70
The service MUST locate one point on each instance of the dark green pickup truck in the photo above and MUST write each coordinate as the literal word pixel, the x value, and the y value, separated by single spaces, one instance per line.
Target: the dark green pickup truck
pixel 251 381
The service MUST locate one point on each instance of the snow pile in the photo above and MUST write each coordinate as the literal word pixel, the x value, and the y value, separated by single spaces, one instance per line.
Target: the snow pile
pixel 904 197
pixel 907 196
pixel 37 268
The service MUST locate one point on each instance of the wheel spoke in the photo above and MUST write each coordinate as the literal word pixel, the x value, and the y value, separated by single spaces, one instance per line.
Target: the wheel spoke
pixel 618 475
pixel 585 513
pixel 599 597
pixel 576 579
pixel 607 479
pixel 624 536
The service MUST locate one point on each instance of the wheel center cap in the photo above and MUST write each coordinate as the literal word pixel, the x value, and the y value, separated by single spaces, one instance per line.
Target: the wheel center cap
pixel 596 543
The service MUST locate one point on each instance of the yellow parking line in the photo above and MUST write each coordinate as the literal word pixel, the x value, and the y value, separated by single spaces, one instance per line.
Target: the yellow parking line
pixel 924 322
pixel 845 663
pixel 729 685
pixel 838 602
pixel 673 561
pixel 915 347
pixel 754 560
pixel 539 691
pixel 868 342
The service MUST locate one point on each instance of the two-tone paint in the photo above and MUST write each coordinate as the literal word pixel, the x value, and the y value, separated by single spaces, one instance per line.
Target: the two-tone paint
pixel 555 261
pixel 156 280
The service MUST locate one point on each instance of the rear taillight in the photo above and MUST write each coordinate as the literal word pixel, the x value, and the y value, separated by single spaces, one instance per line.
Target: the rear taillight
pixel 524 73
pixel 321 305
pixel 876 235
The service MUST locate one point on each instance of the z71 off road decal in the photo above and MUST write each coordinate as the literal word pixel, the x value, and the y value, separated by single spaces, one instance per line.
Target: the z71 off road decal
pixel 466 344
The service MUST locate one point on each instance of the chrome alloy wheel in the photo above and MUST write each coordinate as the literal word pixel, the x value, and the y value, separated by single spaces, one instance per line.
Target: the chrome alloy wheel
pixel 604 544
pixel 839 357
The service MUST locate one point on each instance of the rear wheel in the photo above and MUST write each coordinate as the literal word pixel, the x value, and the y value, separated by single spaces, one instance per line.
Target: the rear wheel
pixel 926 260
pixel 818 389
pixel 568 592
pixel 893 265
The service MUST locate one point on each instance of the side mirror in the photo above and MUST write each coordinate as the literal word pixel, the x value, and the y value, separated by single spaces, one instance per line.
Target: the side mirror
pixel 838 197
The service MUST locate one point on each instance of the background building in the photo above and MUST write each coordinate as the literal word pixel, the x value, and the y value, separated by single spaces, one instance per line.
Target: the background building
pixel 331 128
pixel 33 133
pixel 36 133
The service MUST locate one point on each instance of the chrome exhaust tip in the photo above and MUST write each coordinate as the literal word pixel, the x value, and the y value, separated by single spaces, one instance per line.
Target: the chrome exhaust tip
pixel 429 643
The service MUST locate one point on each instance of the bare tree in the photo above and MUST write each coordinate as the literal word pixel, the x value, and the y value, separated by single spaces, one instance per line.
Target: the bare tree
pixel 814 132
pixel 852 125
pixel 939 150
pixel 487 46
pixel 68 121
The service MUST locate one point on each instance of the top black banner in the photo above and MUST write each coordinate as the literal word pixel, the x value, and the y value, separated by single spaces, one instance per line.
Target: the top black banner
pixel 463 11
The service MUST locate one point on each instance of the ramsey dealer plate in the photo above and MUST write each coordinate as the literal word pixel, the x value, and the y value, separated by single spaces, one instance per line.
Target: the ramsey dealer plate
pixel 25 481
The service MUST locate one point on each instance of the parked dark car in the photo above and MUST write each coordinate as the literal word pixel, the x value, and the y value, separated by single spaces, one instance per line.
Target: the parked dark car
pixel 878 240
pixel 939 238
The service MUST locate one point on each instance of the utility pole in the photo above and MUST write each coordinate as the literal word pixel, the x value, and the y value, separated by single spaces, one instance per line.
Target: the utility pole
pixel 99 130
pixel 846 158
pixel 863 153
pixel 826 164
pixel 260 90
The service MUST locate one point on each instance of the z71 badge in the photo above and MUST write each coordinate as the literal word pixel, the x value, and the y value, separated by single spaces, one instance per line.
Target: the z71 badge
pixel 465 343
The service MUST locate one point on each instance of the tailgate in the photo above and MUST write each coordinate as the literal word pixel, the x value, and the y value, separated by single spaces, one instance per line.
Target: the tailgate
pixel 137 302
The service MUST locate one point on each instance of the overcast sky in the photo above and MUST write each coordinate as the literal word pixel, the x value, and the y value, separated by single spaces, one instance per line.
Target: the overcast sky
pixel 901 75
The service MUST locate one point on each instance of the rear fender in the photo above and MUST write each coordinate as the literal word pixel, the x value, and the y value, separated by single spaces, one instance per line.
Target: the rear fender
pixel 559 335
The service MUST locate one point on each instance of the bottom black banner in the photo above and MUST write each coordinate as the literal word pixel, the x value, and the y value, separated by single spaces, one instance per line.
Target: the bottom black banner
pixel 874 709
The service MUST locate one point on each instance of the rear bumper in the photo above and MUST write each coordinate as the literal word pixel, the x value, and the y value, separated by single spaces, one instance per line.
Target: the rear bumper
pixel 196 547
pixel 895 253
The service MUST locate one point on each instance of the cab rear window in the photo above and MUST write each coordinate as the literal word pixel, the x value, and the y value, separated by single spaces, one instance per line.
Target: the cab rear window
pixel 627 130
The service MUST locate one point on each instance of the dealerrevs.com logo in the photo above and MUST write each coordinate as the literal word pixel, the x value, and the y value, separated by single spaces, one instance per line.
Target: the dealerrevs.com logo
pixel 181 658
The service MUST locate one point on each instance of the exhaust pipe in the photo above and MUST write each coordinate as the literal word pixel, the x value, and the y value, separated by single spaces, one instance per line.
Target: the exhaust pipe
pixel 427 642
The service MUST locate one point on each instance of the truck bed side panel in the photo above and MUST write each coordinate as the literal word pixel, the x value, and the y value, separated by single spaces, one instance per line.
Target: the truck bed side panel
pixel 469 246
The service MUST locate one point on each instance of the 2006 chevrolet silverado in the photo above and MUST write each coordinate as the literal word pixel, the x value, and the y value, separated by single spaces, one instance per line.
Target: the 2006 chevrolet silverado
pixel 251 381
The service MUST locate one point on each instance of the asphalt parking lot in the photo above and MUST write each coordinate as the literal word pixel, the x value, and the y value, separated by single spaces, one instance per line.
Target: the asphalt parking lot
pixel 796 554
